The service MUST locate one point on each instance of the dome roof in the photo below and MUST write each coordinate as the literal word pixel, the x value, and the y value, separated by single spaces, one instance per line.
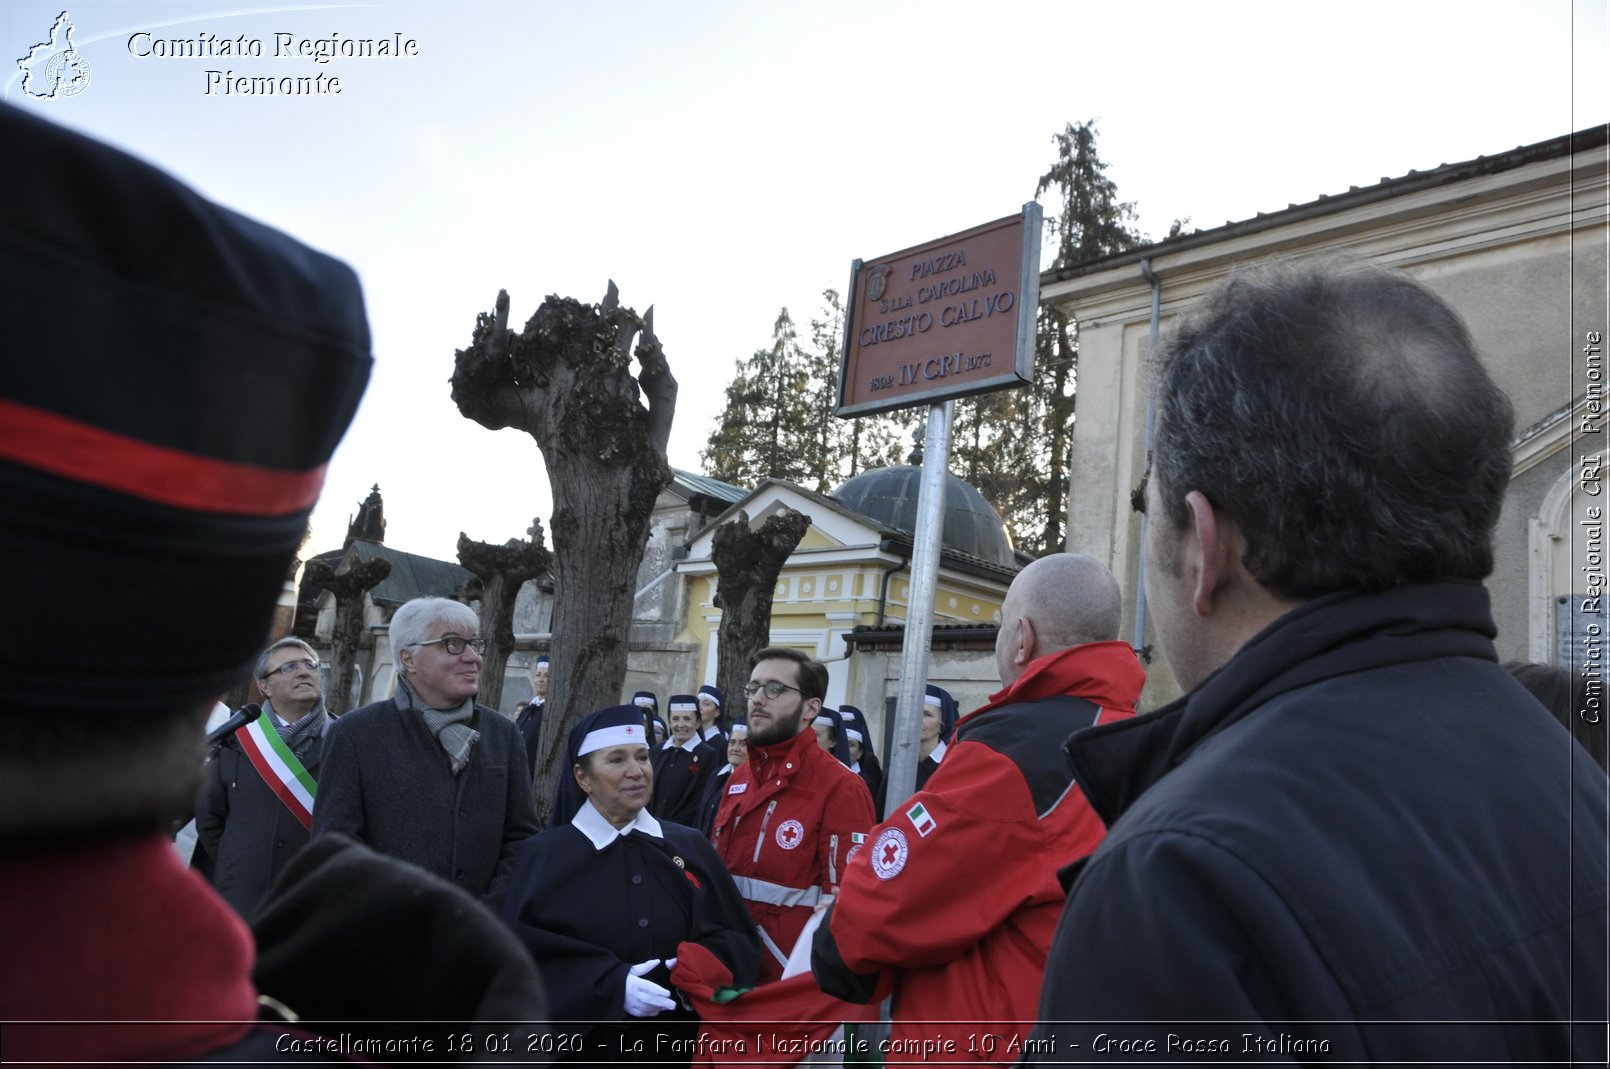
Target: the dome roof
pixel 889 495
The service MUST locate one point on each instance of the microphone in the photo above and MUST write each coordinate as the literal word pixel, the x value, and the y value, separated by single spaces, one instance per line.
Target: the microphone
pixel 241 717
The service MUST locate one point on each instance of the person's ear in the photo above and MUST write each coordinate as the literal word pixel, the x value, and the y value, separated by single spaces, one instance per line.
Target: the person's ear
pixel 1025 642
pixel 1215 549
pixel 581 777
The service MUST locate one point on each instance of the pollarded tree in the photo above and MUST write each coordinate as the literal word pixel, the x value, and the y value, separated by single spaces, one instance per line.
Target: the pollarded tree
pixel 500 571
pixel 748 561
pixel 566 380
pixel 348 587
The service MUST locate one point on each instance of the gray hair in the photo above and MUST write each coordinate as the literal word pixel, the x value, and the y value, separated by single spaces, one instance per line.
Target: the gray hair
pixel 413 623
pixel 284 643
pixel 1337 412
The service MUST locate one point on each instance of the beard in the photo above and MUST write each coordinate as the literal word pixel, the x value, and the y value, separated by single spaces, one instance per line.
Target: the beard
pixel 781 728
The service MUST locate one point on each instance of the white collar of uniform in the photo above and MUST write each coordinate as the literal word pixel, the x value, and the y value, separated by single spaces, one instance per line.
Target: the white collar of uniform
pixel 600 832
pixel 939 753
pixel 725 769
pixel 856 768
pixel 708 733
pixel 691 745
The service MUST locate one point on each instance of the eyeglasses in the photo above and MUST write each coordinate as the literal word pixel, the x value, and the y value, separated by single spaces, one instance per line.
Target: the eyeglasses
pixel 455 645
pixel 773 689
pixel 292 666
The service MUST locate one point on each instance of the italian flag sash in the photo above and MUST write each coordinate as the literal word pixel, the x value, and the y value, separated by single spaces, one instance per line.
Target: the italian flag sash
pixel 279 767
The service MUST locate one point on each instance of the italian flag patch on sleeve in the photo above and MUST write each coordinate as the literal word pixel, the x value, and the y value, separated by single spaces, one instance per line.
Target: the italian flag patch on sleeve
pixel 921 820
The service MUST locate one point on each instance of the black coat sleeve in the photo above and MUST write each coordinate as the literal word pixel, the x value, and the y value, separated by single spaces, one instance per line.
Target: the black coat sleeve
pixel 212 805
pixel 519 819
pixel 338 806
pixel 552 897
pixel 832 975
pixel 722 922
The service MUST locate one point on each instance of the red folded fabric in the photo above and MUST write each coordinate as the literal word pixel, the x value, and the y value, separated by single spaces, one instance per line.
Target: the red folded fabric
pixel 775 1024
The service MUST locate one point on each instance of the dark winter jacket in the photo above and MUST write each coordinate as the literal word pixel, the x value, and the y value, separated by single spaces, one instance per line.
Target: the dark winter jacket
pixel 244 827
pixel 1361 819
pixel 386 782
pixel 680 774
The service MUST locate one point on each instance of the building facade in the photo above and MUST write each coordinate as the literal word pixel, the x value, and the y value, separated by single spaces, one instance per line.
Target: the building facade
pixel 1515 242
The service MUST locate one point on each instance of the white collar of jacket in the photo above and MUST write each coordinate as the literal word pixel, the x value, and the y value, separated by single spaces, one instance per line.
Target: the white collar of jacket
pixel 691 745
pixel 600 832
pixel 938 754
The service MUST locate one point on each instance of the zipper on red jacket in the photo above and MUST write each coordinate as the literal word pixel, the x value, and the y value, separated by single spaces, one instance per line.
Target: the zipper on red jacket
pixel 765 822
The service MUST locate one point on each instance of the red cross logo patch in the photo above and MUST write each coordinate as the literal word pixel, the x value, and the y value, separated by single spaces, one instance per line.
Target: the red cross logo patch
pixel 889 853
pixel 790 833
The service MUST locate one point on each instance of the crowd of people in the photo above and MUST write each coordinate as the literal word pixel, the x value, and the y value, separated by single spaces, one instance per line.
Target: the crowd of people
pixel 1355 837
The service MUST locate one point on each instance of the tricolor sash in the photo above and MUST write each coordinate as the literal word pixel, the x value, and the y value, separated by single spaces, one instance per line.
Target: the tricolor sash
pixel 279 767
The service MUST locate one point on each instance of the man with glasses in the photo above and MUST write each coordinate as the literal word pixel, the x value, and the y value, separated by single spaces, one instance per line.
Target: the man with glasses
pixel 792 813
pixel 427 775
pixel 258 788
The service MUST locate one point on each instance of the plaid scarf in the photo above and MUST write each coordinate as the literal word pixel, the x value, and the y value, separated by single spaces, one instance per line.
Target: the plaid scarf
pixel 450 726
pixel 300 736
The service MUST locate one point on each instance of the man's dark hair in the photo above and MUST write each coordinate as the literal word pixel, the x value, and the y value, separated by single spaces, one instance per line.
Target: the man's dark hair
pixel 812 673
pixel 285 643
pixel 1338 414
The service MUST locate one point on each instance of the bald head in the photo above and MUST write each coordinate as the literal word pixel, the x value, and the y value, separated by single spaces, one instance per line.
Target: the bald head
pixel 1055 603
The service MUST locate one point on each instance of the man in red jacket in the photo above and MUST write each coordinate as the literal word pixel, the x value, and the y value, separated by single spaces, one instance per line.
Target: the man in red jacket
pixel 957 892
pixel 786 823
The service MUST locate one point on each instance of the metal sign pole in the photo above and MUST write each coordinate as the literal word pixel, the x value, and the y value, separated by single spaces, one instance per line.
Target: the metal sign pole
pixel 920 607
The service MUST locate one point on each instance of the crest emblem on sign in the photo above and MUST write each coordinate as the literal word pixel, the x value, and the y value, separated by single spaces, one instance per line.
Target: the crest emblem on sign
pixel 790 833
pixel 877 281
pixel 889 853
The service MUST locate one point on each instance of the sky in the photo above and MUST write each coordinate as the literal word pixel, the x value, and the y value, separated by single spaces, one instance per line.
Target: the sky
pixel 722 160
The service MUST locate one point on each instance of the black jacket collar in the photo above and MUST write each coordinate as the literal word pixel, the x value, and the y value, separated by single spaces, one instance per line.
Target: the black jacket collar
pixel 1330 636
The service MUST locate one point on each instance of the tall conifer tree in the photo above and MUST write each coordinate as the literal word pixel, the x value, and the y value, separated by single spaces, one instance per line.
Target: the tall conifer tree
pixel 778 421
pixel 1015 446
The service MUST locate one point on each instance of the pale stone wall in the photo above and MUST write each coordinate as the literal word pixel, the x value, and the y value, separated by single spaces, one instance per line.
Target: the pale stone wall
pixel 1520 254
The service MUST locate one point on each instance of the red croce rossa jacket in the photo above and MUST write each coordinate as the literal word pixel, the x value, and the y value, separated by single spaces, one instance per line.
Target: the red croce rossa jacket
pixel 784 830
pixel 956 893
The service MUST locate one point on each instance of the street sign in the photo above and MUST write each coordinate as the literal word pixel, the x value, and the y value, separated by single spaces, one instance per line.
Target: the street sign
pixel 945 319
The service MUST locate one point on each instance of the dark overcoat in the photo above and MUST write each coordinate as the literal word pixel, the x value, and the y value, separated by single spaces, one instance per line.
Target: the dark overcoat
pixel 679 779
pixel 387 782
pixel 1360 839
pixel 588 915
pixel 247 831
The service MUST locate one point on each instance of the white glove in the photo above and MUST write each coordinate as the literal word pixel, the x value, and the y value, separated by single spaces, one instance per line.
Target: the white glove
pixel 645 998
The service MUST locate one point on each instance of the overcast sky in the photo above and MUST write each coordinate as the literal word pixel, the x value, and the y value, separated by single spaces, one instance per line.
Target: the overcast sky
pixel 720 160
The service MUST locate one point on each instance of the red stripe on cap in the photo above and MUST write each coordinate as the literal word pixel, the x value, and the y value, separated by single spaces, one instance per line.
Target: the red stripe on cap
pixel 52 443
